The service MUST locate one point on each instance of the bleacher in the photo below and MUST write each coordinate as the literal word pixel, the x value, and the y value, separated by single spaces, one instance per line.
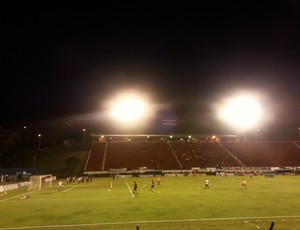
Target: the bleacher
pixel 176 155
pixel 96 156
pixel 130 155
pixel 266 154
pixel 202 154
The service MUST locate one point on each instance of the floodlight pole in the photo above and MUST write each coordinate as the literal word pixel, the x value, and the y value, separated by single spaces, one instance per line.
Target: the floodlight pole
pixel 39 135
pixel 84 135
pixel 245 137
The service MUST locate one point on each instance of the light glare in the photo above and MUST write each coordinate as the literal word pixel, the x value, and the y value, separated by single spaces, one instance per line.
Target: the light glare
pixel 241 112
pixel 129 109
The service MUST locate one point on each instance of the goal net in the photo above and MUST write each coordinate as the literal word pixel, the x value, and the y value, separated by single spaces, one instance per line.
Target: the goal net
pixel 2 190
pixel 40 182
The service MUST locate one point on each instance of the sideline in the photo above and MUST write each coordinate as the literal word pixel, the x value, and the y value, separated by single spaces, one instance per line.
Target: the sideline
pixel 151 221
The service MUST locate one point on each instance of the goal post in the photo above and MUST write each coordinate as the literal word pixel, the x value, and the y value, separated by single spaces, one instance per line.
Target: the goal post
pixel 2 190
pixel 41 181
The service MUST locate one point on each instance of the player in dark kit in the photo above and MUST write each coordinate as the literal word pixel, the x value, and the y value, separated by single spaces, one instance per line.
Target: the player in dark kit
pixel 135 188
pixel 152 185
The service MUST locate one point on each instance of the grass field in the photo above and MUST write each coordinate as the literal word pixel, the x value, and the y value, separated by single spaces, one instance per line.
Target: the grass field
pixel 178 203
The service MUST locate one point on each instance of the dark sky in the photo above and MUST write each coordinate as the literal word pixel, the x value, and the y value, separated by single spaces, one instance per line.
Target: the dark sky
pixel 65 59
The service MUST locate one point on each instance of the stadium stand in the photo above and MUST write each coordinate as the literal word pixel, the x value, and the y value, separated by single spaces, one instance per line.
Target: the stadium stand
pixel 96 157
pixel 134 155
pixel 137 153
pixel 202 154
pixel 266 154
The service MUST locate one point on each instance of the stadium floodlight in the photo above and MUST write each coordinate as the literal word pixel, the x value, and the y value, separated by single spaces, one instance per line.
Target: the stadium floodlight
pixel 129 109
pixel 241 113
pixel 39 137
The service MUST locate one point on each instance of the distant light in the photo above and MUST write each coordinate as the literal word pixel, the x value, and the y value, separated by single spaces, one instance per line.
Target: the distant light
pixel 128 107
pixel 213 137
pixel 25 127
pixel 241 112
pixel 83 130
pixel 190 137
pixel 39 135
pixel 171 137
pixel 129 110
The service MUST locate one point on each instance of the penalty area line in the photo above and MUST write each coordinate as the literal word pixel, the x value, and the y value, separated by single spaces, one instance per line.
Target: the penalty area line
pixel 150 221
pixel 129 189
pixel 71 188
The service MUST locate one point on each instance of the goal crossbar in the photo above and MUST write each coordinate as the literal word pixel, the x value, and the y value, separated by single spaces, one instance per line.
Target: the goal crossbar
pixel 37 182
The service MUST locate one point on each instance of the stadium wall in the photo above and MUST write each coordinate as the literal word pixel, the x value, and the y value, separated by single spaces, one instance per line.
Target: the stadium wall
pixel 199 172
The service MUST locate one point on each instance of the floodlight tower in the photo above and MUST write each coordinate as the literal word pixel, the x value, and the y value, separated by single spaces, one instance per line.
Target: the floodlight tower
pixel 242 113
pixel 34 161
pixel 84 135
pixel 257 135
pixel 39 137
pixel 128 109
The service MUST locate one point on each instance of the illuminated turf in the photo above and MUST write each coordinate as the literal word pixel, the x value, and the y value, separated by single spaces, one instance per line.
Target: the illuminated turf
pixel 178 203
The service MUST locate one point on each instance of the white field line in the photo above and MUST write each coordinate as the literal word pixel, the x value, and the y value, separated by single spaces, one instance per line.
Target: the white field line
pixel 129 188
pixel 13 197
pixel 84 185
pixel 153 221
pixel 10 198
pixel 71 188
pixel 81 199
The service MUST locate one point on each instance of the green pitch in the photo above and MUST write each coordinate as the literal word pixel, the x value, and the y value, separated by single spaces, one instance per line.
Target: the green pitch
pixel 178 203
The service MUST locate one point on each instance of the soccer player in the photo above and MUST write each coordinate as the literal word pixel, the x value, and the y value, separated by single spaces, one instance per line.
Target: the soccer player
pixel 135 187
pixel 110 188
pixel 24 196
pixel 206 184
pixel 60 185
pixel 158 180
pixel 152 185
pixel 244 184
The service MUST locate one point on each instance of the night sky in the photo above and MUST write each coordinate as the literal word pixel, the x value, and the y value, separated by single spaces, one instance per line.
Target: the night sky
pixel 62 61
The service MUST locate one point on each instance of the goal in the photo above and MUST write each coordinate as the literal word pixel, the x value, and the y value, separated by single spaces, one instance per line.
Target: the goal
pixel 2 190
pixel 40 182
